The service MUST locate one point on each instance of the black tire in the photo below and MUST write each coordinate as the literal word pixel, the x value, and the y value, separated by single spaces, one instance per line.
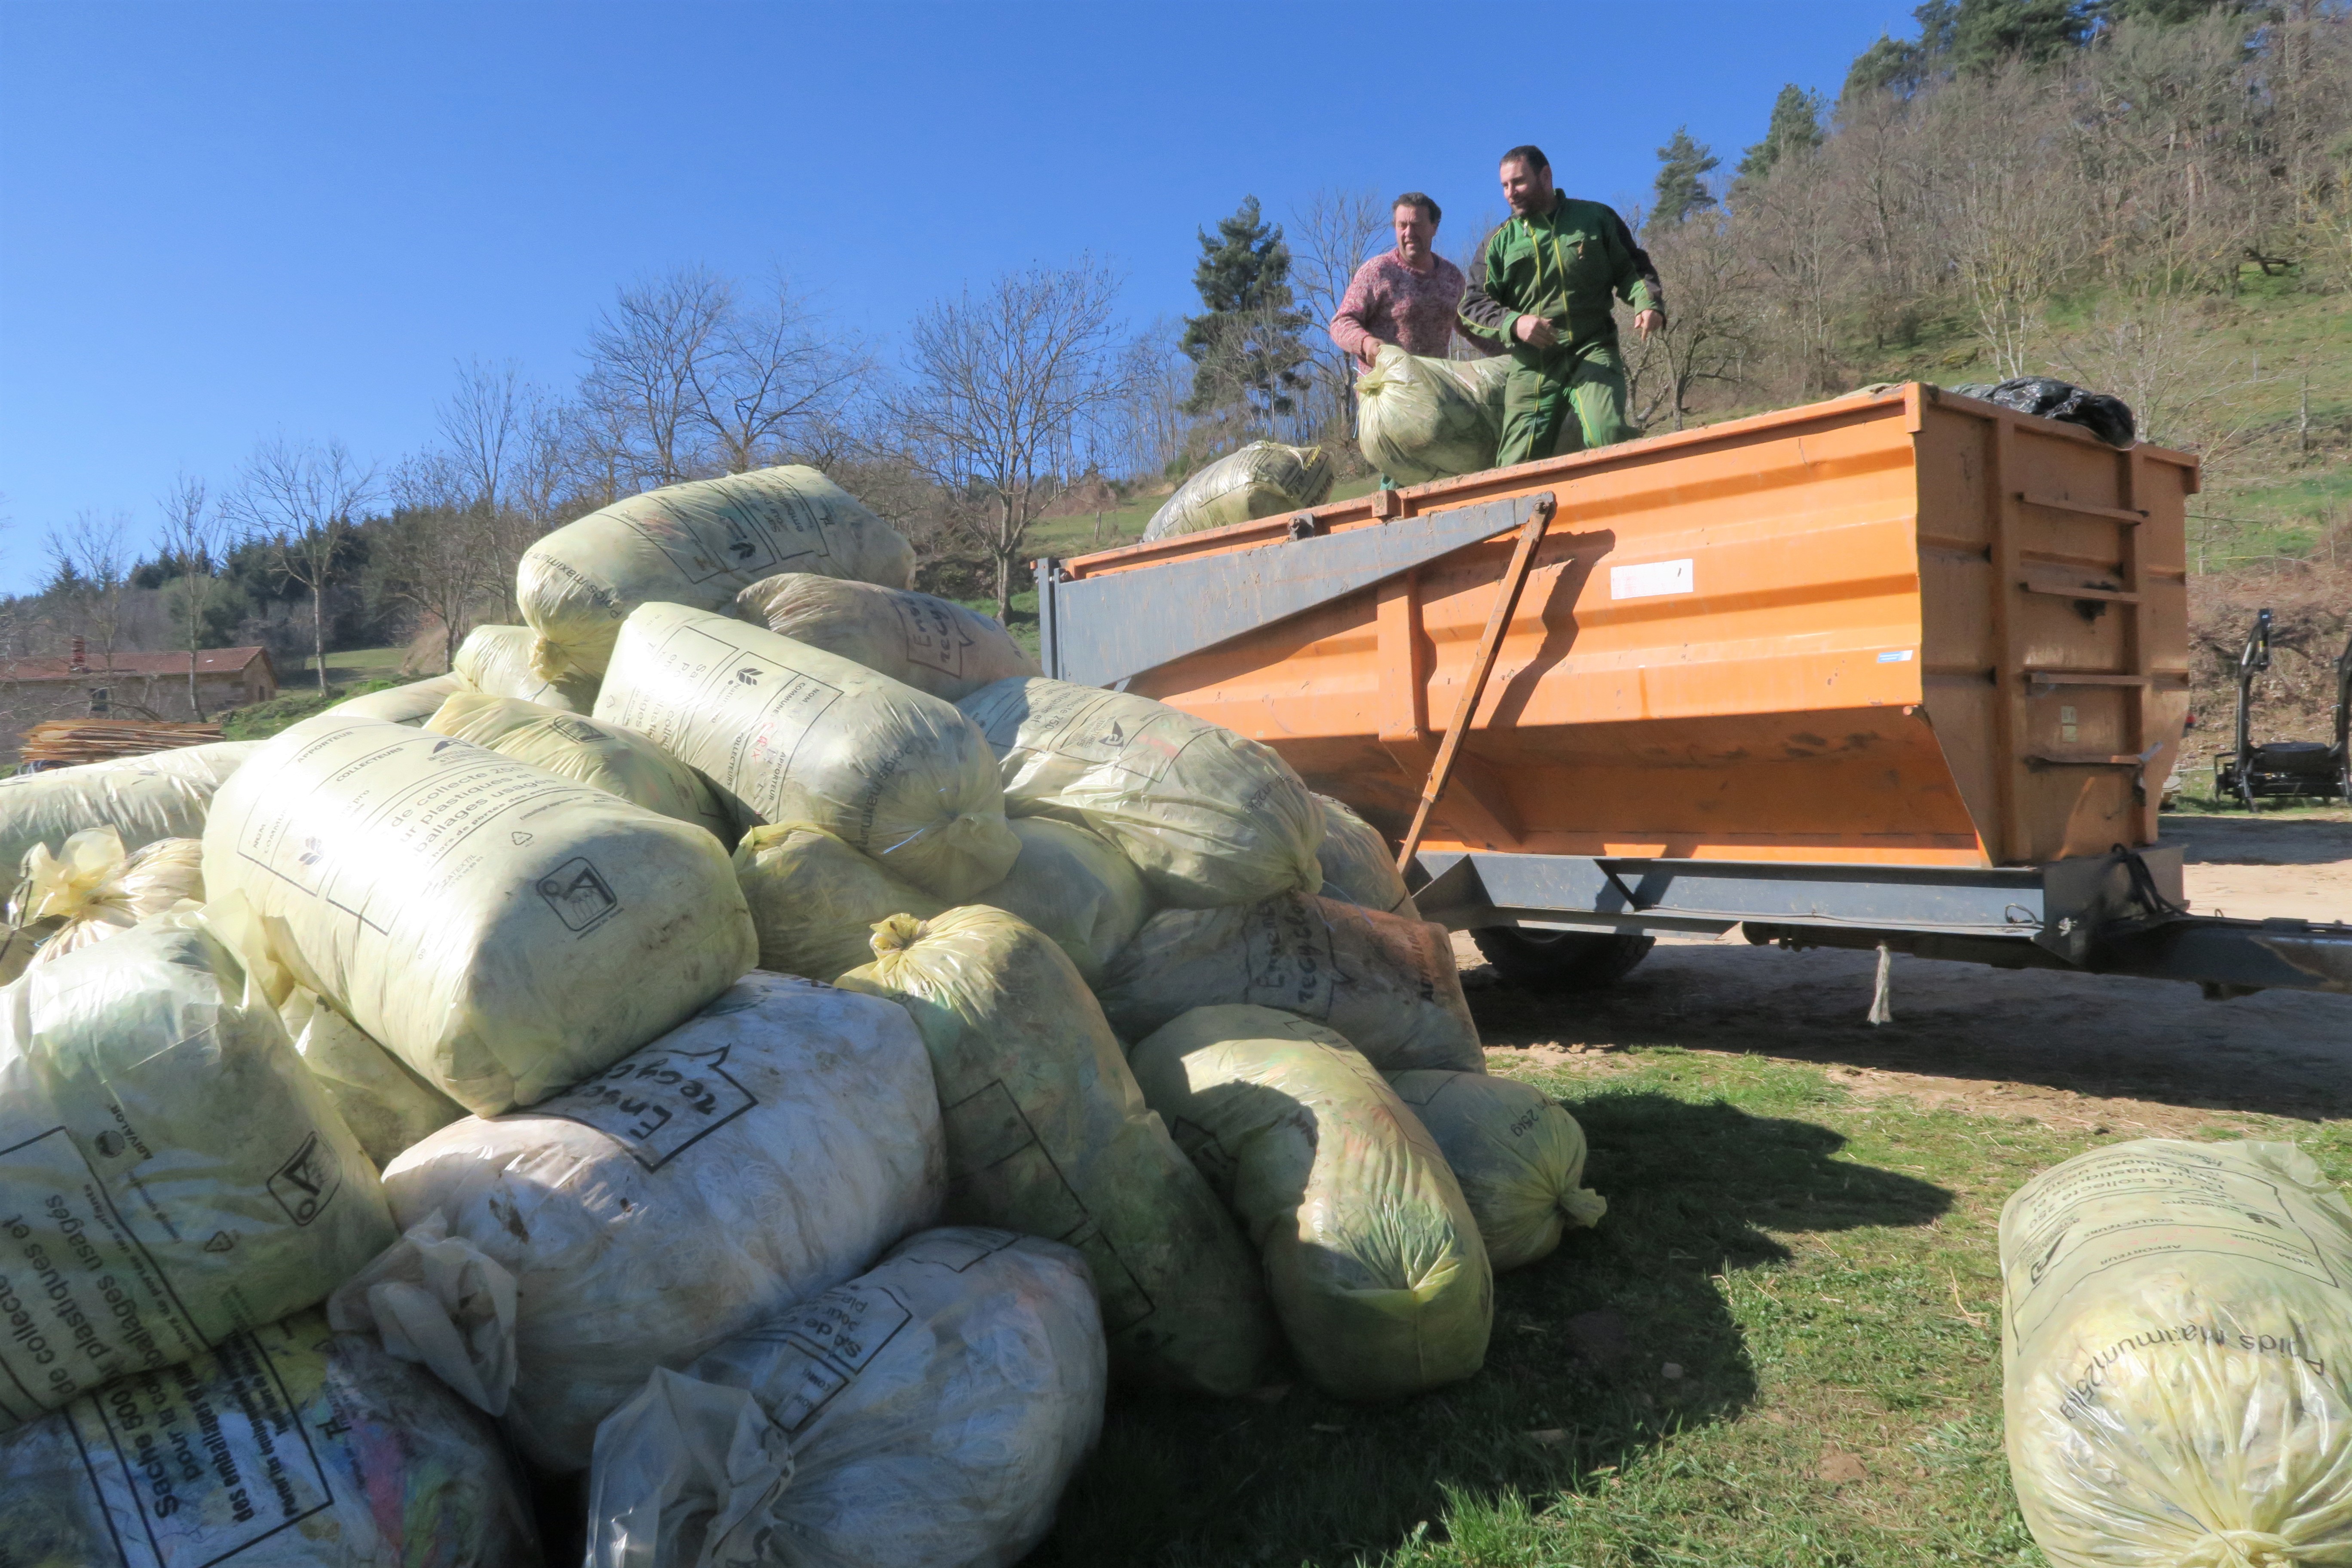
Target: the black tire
pixel 1559 962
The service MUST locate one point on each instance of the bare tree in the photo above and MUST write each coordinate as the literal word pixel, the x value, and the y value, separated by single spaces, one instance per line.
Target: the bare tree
pixel 776 372
pixel 2011 213
pixel 433 558
pixel 1330 233
pixel 648 359
pixel 1716 309
pixel 193 540
pixel 1008 384
pixel 1150 424
pixel 298 499
pixel 481 423
pixel 89 578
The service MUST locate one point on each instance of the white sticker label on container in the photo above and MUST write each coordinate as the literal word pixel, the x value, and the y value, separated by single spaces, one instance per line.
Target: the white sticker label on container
pixel 1649 579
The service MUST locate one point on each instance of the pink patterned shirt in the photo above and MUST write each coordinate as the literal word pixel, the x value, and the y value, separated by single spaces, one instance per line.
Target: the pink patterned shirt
pixel 1389 303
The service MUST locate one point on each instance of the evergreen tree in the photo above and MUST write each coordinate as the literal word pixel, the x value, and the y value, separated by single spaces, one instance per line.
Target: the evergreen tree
pixel 2173 13
pixel 1795 127
pixel 1682 163
pixel 1244 349
pixel 1986 31
pixel 1905 65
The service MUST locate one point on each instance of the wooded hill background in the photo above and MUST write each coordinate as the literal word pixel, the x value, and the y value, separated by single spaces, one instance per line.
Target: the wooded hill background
pixel 2151 197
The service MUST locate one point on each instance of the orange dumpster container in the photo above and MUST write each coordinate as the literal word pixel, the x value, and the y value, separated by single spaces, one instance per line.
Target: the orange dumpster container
pixel 1905 630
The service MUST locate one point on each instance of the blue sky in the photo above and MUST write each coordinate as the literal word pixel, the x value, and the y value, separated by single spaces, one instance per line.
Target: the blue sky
pixel 224 220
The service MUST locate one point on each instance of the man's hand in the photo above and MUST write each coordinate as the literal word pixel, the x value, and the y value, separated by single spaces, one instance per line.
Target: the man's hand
pixel 1650 322
pixel 1535 332
pixel 1369 356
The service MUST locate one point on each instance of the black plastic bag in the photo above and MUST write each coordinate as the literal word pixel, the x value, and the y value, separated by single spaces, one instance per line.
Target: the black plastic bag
pixel 2108 418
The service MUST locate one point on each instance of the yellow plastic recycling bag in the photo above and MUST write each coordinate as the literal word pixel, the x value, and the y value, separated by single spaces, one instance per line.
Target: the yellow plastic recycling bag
pixel 698 544
pixel 1419 420
pixel 767 1149
pixel 411 704
pixel 590 750
pixel 2177 1357
pixel 930 644
pixel 926 1414
pixel 163 795
pixel 1262 479
pixel 502 931
pixel 1518 1155
pixel 1389 985
pixel 1076 888
pixel 94 891
pixel 1359 866
pixel 1371 1256
pixel 1207 817
pixel 1047 1134
pixel 387 1106
pixel 288 1446
pixel 169 1174
pixel 814 900
pixel 496 662
pixel 794 734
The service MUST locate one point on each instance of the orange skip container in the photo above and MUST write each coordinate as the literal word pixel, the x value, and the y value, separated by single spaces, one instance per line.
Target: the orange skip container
pixel 1902 628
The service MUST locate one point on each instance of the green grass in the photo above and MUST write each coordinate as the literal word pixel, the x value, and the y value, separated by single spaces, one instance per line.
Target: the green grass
pixel 1820 1270
pixel 294 704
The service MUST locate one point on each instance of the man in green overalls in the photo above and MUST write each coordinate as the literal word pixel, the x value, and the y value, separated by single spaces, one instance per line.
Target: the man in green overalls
pixel 1540 287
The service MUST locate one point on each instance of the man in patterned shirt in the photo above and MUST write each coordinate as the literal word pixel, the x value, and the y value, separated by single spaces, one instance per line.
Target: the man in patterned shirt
pixel 1407 296
pixel 1540 288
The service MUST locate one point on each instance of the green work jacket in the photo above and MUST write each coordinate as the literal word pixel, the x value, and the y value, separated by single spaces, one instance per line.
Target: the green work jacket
pixel 1564 266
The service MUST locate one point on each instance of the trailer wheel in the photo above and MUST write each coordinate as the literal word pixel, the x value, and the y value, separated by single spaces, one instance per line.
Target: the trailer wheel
pixel 1559 962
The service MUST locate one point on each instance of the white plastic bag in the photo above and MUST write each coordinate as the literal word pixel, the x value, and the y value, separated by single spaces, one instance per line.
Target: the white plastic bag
pixel 169 1174
pixel 1262 479
pixel 932 644
pixel 926 1414
pixel 94 891
pixel 700 544
pixel 764 1152
pixel 1419 420
pixel 1047 1134
pixel 1209 817
pixel 1373 1256
pixel 2177 1357
pixel 503 931
pixel 1387 985
pixel 1518 1155
pixel 411 704
pixel 792 733
pixel 1076 888
pixel 163 795
pixel 1359 866
pixel 814 900
pixel 590 750
pixel 496 662
pixel 288 1446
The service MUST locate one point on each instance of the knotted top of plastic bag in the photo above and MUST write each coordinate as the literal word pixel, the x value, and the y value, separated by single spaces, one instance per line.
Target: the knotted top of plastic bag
pixel 91 888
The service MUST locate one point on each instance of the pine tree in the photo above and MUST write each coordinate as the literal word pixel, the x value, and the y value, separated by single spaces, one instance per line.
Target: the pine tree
pixel 1682 163
pixel 1904 65
pixel 1986 31
pixel 1245 348
pixel 1795 127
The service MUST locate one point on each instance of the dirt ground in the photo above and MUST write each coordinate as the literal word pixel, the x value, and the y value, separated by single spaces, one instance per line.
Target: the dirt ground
pixel 2142 1055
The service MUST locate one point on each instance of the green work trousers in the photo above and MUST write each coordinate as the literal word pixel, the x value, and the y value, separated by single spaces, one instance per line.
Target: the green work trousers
pixel 1542 390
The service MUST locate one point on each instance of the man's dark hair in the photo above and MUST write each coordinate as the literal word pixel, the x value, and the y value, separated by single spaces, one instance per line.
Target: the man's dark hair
pixel 1531 156
pixel 1421 204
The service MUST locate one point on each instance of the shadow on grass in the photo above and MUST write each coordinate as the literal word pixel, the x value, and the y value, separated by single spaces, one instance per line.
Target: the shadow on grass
pixel 1574 1379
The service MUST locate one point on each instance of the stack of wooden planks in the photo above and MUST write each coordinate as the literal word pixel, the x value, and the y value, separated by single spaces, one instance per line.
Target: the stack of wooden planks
pixel 63 742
